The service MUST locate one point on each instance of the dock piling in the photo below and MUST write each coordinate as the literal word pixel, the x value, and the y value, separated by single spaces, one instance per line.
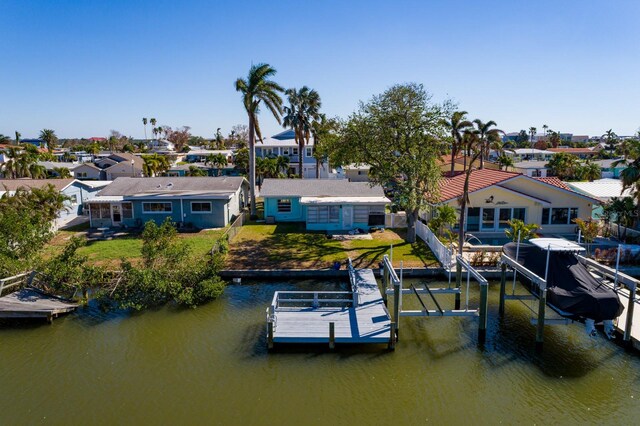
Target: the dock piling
pixel 270 335
pixel 542 304
pixel 458 284
pixel 627 329
pixel 332 335
pixel 503 285
pixel 397 305
pixel 392 336
pixel 484 307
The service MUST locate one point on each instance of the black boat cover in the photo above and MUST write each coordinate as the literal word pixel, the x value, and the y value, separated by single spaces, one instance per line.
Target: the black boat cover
pixel 570 286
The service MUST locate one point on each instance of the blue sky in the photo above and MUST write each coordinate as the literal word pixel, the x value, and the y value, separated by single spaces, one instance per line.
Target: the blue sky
pixel 86 67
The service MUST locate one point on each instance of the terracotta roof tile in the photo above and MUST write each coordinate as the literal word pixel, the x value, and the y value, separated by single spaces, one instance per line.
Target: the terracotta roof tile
pixel 554 181
pixel 453 187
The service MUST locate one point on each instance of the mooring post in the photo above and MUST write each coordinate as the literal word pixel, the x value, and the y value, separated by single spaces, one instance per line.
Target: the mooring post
pixel 392 336
pixel 484 307
pixel 627 327
pixel 458 283
pixel 542 304
pixel 503 285
pixel 270 334
pixel 397 305
pixel 332 335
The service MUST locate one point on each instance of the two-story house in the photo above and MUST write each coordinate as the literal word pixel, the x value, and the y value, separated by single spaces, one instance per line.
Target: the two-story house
pixel 284 144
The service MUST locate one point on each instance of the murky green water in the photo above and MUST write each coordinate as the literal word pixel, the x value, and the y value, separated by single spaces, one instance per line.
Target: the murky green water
pixel 210 366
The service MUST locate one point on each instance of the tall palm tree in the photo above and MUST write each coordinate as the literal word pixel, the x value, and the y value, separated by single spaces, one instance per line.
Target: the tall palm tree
pixel 18 135
pixel 456 125
pixel 36 171
pixel 283 164
pixel 485 136
pixel 144 122
pixel 4 139
pixel 154 164
pixel 255 89
pixel 532 133
pixel 471 142
pixel 321 130
pixel 545 127
pixel 505 161
pixel 49 136
pixel 10 167
pixel 304 108
pixel 62 172
pixel 610 138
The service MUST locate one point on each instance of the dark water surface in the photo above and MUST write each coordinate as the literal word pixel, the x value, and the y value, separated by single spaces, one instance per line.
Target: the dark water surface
pixel 210 365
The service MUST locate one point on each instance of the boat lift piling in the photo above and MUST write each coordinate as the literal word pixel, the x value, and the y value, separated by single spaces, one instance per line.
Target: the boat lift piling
pixel 393 285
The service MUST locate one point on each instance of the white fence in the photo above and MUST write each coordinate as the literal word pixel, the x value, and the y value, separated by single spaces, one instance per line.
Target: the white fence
pixel 628 232
pixel 395 220
pixel 442 252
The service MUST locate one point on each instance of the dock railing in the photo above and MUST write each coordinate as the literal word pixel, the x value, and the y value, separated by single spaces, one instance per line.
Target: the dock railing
pixel 14 283
pixel 354 282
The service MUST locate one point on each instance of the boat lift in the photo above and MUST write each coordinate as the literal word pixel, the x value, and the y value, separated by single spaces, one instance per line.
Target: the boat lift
pixel 393 284
pixel 539 287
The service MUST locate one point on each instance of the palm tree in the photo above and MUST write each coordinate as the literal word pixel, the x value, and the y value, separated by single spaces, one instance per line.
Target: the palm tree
pixel 196 171
pixel 49 136
pixel 303 109
pixel 153 122
pixel 18 134
pixel 144 122
pixel 611 138
pixel 257 88
pixel 62 172
pixel 471 141
pixel 485 136
pixel 219 161
pixel 4 139
pixel 457 126
pixel 545 127
pixel 505 161
pixel 282 162
pixel 154 164
pixel 322 130
pixel 532 132
pixel 10 167
pixel 589 171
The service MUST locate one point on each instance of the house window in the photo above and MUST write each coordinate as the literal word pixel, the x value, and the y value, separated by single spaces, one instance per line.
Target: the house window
pixel 285 151
pixel 309 151
pixel 294 150
pixel 284 205
pixel 559 216
pixel 127 211
pixel 361 214
pixel 100 211
pixel 507 214
pixel 74 199
pixel 323 214
pixel 81 174
pixel 201 207
pixel 157 208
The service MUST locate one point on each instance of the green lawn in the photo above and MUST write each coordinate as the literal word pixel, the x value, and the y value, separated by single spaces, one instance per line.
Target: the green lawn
pixel 289 245
pixel 109 252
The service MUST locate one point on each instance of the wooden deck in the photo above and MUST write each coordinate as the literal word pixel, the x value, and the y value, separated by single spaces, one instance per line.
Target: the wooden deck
pixel 621 323
pixel 365 319
pixel 32 303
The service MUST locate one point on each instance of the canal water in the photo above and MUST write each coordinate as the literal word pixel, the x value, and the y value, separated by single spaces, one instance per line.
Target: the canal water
pixel 210 366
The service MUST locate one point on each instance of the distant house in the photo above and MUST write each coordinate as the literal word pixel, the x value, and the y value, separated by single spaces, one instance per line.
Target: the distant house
pixel 88 171
pixel 39 143
pixel 524 154
pixel 583 153
pixel 602 189
pixel 356 172
pixel 50 167
pixel 202 202
pixel 532 168
pixel 78 192
pixel 284 144
pixel 609 170
pixel 324 205
pixel 201 155
pixel 121 165
pixel 495 197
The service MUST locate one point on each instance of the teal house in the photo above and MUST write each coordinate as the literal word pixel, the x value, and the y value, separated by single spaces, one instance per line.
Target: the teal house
pixel 324 204
pixel 199 202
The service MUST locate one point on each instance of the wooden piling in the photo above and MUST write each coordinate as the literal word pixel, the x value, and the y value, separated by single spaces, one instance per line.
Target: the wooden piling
pixel 385 283
pixel 627 329
pixel 483 308
pixel 332 335
pixel 270 335
pixel 542 305
pixel 397 305
pixel 392 336
pixel 458 284
pixel 503 285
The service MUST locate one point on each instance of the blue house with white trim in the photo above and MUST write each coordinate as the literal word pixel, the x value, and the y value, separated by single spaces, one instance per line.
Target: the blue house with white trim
pixel 201 202
pixel 284 144
pixel 323 204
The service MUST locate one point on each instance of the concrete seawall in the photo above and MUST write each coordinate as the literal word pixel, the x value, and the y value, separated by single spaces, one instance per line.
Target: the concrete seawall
pixel 342 273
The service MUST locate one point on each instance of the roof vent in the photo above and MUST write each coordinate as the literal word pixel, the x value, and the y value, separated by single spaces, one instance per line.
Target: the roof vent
pixel 170 185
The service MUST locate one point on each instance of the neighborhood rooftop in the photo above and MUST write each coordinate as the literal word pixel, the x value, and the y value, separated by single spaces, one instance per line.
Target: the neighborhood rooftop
pixel 13 184
pixel 318 188
pixel 127 186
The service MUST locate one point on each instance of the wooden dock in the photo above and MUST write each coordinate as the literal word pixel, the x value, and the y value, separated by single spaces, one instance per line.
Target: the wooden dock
pixel 29 302
pixel 357 316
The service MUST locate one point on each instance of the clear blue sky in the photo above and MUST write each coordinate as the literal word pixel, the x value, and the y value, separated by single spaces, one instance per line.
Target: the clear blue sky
pixel 85 67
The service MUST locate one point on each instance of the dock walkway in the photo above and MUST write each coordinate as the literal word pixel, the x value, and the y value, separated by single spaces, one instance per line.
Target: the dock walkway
pixel 29 302
pixel 359 316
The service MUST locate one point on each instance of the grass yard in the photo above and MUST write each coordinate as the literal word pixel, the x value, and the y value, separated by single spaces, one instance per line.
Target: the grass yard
pixel 290 246
pixel 109 252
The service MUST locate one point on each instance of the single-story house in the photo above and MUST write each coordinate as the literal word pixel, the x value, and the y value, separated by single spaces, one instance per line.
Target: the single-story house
pixel 532 168
pixel 50 167
pixel 583 153
pixel 324 205
pixel 496 197
pixel 609 170
pixel 602 189
pixel 78 192
pixel 88 171
pixel 127 165
pixel 523 154
pixel 356 172
pixel 201 202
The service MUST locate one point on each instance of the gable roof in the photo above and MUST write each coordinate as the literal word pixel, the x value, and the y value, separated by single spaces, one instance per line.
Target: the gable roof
pixel 318 188
pixel 125 156
pixel 12 185
pixel 128 186
pixel 90 165
pixel 453 187
pixel 553 181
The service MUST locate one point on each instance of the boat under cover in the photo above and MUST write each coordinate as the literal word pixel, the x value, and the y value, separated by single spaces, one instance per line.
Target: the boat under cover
pixel 570 286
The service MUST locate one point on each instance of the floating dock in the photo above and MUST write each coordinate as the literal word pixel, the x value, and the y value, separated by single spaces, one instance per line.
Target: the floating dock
pixel 357 316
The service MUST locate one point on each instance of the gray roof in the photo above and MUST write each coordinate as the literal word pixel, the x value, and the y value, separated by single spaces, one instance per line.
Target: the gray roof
pixel 50 165
pixel 13 184
pixel 173 185
pixel 318 188
pixel 531 164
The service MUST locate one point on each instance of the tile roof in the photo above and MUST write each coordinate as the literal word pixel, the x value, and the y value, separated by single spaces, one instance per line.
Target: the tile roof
pixel 453 187
pixel 172 185
pixel 318 188
pixel 554 181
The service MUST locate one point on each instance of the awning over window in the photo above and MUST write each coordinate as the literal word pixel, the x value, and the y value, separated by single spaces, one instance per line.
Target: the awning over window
pixel 105 199
pixel 343 200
